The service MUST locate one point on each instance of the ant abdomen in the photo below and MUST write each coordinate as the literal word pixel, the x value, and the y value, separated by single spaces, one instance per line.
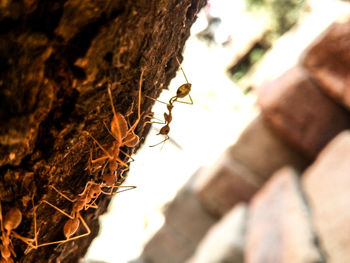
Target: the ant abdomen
pixel 70 227
pixel 131 140
pixel 183 90
pixel 12 219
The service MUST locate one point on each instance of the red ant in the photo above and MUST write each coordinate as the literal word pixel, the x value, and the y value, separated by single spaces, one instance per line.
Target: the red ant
pixel 85 201
pixel 9 222
pixel 72 225
pixel 181 92
pixel 123 136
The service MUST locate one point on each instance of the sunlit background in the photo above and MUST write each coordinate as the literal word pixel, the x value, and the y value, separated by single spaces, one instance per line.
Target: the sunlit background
pixel 220 58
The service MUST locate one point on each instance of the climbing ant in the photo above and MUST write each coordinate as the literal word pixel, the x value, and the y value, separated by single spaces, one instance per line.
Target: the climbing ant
pixel 123 136
pixel 8 223
pixel 85 201
pixel 181 92
pixel 72 225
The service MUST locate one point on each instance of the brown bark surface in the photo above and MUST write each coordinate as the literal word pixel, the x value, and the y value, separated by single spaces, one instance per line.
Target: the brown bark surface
pixel 56 60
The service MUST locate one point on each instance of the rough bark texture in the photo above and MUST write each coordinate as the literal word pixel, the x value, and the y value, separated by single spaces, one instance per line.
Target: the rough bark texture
pixel 56 60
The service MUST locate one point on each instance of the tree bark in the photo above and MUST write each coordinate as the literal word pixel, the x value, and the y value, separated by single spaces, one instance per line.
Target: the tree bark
pixel 56 60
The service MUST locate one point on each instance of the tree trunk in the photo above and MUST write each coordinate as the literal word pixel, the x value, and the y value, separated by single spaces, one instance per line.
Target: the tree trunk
pixel 57 59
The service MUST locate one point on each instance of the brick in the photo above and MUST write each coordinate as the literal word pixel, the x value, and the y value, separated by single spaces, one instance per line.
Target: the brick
pixel 186 222
pixel 230 232
pixel 187 215
pixel 244 167
pixel 328 61
pixel 278 223
pixel 225 184
pixel 263 151
pixel 297 109
pixel 327 187
pixel 167 246
pixel 287 49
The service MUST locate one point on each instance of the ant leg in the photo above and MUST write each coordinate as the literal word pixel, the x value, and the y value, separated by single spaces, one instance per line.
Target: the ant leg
pixel 58 209
pixel 92 163
pixel 186 102
pixel 183 72
pixel 99 145
pixel 148 97
pixel 186 90
pixel 132 128
pixel 123 171
pixel 88 231
pixel 159 121
pixel 92 204
pixel 1 220
pixel 12 251
pixel 175 99
pixel 28 241
pixel 86 187
pixel 127 155
pixel 127 168
pixel 104 167
pixel 61 194
pixel 128 188
pixel 107 193
pixel 89 165
pixel 109 131
pixel 190 98
pixel 87 228
pixel 121 162
pixel 35 223
pixel 118 186
pixel 35 227
pixel 111 99
pixel 166 138
pixel 117 158
pixel 99 159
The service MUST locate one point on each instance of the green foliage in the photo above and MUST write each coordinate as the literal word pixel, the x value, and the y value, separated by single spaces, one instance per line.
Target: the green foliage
pixel 246 62
pixel 283 14
pixel 254 3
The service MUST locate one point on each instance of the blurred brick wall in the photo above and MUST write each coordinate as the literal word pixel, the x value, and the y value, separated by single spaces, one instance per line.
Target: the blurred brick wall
pixel 290 168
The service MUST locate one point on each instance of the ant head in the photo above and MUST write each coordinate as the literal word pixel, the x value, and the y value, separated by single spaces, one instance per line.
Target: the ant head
pixel 95 191
pixel 183 90
pixel 109 179
pixel 164 130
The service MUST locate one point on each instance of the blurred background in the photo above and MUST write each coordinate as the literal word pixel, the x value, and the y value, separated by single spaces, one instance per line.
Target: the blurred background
pixel 235 48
